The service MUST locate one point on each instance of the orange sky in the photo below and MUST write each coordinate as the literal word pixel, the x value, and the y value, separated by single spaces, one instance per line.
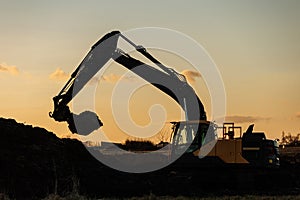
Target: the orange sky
pixel 255 45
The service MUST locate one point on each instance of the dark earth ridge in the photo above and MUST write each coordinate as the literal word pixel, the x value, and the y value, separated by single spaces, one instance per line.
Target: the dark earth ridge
pixel 35 163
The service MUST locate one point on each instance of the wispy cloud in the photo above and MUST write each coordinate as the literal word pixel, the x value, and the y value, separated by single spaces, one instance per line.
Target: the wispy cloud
pixel 59 74
pixel 113 78
pixel 191 75
pixel 297 115
pixel 11 69
pixel 245 119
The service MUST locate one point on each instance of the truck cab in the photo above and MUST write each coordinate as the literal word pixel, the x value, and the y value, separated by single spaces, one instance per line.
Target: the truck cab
pixel 260 151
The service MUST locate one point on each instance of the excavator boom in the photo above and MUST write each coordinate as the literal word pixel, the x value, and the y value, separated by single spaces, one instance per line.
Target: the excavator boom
pixel 165 79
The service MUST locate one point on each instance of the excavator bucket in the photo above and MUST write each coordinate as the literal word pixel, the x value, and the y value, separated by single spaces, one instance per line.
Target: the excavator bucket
pixel 84 123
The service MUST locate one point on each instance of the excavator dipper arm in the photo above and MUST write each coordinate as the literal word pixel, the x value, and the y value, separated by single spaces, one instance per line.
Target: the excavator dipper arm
pixel 165 79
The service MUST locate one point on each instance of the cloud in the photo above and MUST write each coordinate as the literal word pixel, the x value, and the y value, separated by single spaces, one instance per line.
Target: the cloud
pixel 191 75
pixel 13 70
pixel 245 119
pixel 59 74
pixel 113 78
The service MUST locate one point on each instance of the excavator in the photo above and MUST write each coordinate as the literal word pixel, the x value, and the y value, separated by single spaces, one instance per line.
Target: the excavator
pixel 163 78
pixel 188 136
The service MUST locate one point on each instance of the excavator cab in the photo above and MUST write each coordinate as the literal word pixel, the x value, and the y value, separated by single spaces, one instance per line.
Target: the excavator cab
pixel 189 136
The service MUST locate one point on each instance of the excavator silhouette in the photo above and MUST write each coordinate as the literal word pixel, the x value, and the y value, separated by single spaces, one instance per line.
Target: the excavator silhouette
pixel 188 136
pixel 163 78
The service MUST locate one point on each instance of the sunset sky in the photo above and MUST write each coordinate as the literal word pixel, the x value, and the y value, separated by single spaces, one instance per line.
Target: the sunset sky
pixel 255 45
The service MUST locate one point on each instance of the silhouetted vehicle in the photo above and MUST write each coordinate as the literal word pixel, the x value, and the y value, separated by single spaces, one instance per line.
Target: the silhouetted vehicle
pixel 251 148
pixel 187 138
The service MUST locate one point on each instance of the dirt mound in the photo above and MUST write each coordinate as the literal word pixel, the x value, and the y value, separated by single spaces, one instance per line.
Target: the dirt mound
pixel 35 163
